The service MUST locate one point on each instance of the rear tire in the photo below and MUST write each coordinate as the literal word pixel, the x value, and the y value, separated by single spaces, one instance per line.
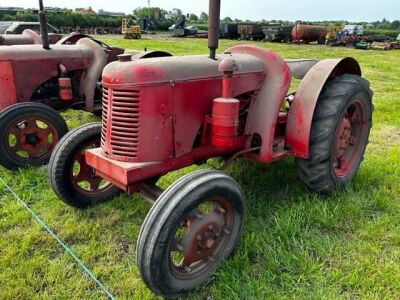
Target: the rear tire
pixel 28 134
pixel 72 179
pixel 339 134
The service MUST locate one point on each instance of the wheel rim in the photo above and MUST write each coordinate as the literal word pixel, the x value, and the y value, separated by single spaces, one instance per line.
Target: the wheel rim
pixel 83 177
pixel 201 238
pixel 348 146
pixel 30 139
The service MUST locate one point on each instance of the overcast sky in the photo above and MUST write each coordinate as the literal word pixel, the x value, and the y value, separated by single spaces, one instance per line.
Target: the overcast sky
pixel 311 10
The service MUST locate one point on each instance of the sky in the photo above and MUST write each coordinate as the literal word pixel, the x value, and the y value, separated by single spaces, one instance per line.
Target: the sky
pixel 306 10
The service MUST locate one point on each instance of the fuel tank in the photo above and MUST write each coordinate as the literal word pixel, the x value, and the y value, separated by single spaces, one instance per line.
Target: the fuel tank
pixel 308 33
pixel 153 109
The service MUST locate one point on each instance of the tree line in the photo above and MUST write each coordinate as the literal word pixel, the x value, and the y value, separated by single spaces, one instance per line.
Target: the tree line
pixel 162 18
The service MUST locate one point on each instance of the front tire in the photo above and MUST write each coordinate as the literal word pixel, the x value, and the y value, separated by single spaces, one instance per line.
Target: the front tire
pixel 339 134
pixel 74 182
pixel 192 227
pixel 28 134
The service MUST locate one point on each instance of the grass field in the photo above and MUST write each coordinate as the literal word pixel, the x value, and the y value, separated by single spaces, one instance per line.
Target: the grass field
pixel 295 244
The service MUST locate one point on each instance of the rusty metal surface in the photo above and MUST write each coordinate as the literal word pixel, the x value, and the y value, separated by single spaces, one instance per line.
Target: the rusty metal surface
pixel 28 37
pixel 166 69
pixel 308 33
pixel 93 73
pixel 302 110
pixel 264 112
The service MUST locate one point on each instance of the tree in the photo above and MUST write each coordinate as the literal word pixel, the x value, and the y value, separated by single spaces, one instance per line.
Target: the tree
pixel 203 17
pixel 193 18
pixel 143 13
pixel 227 20
pixel 395 24
pixel 175 14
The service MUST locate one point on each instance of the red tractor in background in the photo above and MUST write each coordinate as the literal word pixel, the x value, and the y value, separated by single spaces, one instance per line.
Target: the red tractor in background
pixel 164 114
pixel 37 81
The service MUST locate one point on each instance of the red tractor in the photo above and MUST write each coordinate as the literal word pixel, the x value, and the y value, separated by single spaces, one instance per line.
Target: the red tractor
pixel 164 114
pixel 38 81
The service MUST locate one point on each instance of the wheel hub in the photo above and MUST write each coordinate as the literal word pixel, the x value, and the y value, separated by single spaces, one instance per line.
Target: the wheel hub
pixel 27 141
pixel 349 133
pixel 204 234
pixel 31 139
pixel 345 134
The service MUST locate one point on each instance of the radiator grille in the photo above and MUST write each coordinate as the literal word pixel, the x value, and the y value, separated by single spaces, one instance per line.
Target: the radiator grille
pixel 121 119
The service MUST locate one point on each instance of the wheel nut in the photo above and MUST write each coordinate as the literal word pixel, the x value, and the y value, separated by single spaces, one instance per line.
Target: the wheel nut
pixel 199 237
pixel 210 227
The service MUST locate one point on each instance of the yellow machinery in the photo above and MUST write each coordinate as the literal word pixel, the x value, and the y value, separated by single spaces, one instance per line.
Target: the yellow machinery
pixel 332 31
pixel 131 29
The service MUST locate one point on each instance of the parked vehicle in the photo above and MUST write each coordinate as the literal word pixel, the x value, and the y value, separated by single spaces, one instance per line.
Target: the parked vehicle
pixel 169 113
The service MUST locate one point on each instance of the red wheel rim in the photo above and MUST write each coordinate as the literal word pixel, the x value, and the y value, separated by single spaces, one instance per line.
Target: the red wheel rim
pixel 83 177
pixel 350 135
pixel 30 139
pixel 201 238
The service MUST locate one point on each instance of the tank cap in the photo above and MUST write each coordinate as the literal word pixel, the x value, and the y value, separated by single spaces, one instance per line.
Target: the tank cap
pixel 228 65
pixel 125 57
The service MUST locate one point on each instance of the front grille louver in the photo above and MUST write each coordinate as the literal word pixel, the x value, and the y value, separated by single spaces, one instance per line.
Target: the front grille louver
pixel 121 118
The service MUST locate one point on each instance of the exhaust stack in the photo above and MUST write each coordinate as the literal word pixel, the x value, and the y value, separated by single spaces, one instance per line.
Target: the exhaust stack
pixel 213 27
pixel 43 26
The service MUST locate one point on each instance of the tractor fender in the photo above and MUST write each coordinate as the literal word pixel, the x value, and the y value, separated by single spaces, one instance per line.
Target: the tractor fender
pixel 301 113
pixel 150 54
pixel 264 112
pixel 73 38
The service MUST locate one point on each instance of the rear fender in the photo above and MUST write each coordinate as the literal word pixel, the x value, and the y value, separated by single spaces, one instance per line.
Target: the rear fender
pixel 301 113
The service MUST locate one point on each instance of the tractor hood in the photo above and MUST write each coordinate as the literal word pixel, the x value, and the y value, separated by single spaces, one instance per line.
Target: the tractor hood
pixel 174 69
pixel 36 52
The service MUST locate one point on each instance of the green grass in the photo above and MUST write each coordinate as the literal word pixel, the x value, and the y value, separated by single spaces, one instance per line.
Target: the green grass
pixel 295 244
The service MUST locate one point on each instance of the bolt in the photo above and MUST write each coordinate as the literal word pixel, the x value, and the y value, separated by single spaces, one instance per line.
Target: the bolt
pixel 198 252
pixel 210 227
pixel 198 237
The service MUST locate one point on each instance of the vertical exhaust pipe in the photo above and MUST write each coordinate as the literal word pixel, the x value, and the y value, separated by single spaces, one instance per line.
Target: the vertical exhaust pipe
pixel 43 26
pixel 213 27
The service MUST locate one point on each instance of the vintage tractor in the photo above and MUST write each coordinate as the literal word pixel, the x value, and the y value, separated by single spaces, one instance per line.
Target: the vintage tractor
pixel 164 114
pixel 37 81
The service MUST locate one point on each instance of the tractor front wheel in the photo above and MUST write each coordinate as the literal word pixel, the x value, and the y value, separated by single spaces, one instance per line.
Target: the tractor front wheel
pixel 72 179
pixel 192 227
pixel 28 134
pixel 339 134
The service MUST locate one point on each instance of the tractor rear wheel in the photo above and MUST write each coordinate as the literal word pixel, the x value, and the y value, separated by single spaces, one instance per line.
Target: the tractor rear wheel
pixel 29 133
pixel 339 134
pixel 72 179
pixel 193 226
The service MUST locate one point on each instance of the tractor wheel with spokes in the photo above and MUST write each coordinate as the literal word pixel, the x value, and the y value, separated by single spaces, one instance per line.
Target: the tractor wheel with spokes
pixel 29 133
pixel 72 179
pixel 339 133
pixel 193 226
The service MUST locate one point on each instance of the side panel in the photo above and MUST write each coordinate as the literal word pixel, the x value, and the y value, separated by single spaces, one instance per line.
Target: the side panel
pixel 302 110
pixel 29 75
pixel 7 86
